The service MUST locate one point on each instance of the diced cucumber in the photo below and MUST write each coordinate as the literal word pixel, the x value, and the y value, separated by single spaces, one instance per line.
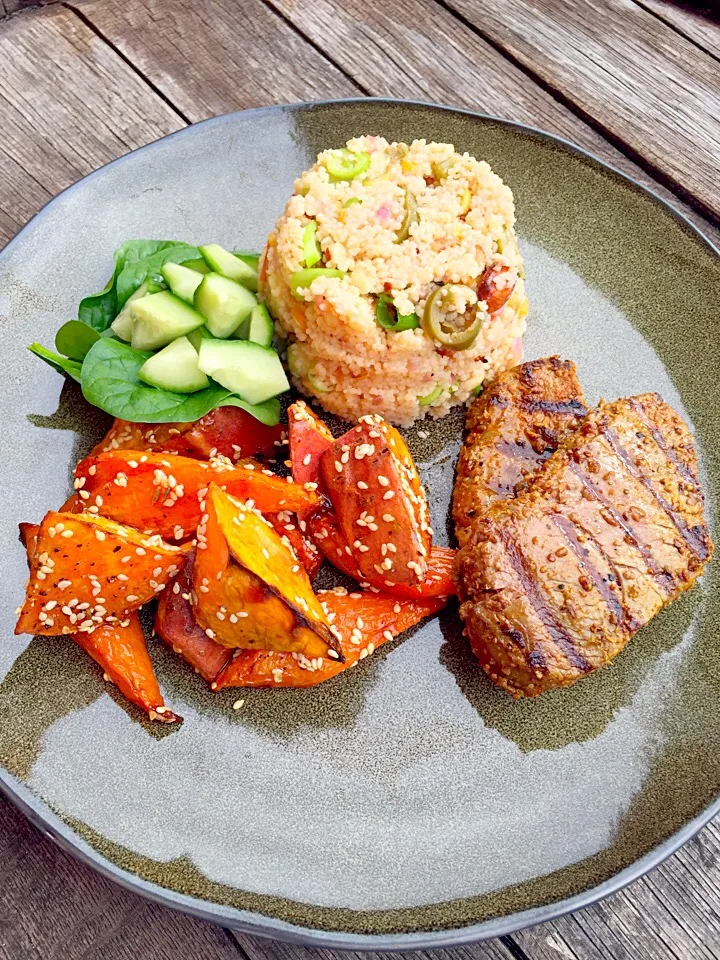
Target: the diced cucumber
pixel 160 318
pixel 261 326
pixel 182 281
pixel 223 303
pixel 199 265
pixel 227 265
pixel 253 372
pixel 197 337
pixel 175 368
pixel 123 323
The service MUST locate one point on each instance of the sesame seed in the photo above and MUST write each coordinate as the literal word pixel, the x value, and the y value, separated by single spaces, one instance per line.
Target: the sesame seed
pixel 306 459
pixel 388 495
pixel 140 551
pixel 361 485
pixel 388 518
pixel 157 571
pixel 131 598
pixel 383 481
pixel 92 470
pixel 338 466
pixel 64 584
pixel 238 704
pixel 99 534
pixel 66 533
pixel 99 500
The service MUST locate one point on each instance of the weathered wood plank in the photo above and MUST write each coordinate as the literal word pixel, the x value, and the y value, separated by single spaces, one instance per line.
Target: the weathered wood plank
pixel 638 78
pixel 699 23
pixel 53 907
pixel 68 104
pixel 216 56
pixel 442 60
pixel 262 949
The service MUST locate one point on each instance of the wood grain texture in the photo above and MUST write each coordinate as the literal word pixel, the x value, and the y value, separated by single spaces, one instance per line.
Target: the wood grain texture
pixel 699 23
pixel 261 949
pixel 216 56
pixel 53 907
pixel 417 49
pixel 637 77
pixel 68 104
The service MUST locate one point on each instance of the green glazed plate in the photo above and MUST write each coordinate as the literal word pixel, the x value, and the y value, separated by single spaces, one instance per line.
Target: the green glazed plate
pixel 407 803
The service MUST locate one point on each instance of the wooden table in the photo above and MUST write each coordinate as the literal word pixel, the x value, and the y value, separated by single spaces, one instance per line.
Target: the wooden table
pixel 637 82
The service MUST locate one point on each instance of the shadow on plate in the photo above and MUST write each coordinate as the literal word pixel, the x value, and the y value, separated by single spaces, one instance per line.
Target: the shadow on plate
pixel 88 424
pixel 576 713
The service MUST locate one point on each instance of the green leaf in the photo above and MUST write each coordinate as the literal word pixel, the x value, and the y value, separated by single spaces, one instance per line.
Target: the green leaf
pixel 109 381
pixel 136 271
pixel 62 364
pixel 74 339
pixel 100 309
pixel 251 259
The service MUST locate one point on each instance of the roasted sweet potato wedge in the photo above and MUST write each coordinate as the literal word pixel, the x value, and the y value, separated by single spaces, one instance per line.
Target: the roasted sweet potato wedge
pixel 175 623
pixel 309 440
pixel 290 526
pixel 226 431
pixel 121 651
pixel 380 503
pixel 252 592
pixel 161 493
pixel 88 570
pixel 361 621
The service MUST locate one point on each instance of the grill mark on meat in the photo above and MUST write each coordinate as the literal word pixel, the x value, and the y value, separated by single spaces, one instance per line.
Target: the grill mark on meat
pixel 572 408
pixel 617 612
pixel 681 467
pixel 661 577
pixel 560 637
pixel 688 535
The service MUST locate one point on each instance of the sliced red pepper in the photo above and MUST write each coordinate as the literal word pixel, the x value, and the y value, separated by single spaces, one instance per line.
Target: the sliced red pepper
pixel 309 439
pixel 122 653
pixel 326 533
pixel 495 296
pixel 380 503
pixel 159 492
pixel 175 623
pixel 362 622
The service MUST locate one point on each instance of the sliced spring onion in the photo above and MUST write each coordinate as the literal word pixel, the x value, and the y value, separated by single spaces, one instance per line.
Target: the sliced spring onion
pixel 388 318
pixel 465 203
pixel 441 169
pixel 451 330
pixel 311 250
pixel 346 165
pixel 411 217
pixel 351 202
pixel 476 391
pixel 431 397
pixel 302 279
pixel 316 384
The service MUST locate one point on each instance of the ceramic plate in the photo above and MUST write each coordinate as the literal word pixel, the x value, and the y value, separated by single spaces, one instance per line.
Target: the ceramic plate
pixel 408 802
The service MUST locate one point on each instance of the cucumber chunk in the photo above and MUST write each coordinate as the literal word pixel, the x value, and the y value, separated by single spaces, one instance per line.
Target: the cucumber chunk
pixel 174 368
pixel 123 323
pixel 199 265
pixel 261 328
pixel 197 337
pixel 182 281
pixel 253 372
pixel 227 265
pixel 160 318
pixel 223 303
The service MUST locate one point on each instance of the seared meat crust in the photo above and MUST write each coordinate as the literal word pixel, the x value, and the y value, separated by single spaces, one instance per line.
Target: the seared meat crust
pixel 512 428
pixel 556 581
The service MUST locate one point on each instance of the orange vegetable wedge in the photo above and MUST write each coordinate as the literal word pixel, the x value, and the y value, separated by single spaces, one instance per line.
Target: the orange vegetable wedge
pixel 380 503
pixel 362 621
pixel 121 651
pixel 229 431
pixel 87 570
pixel 161 493
pixel 252 592
pixel 289 525
pixel 309 439
pixel 175 623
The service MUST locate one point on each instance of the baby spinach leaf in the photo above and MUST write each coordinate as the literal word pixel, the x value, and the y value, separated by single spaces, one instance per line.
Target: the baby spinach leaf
pixel 136 271
pixel 109 381
pixel 62 364
pixel 75 338
pixel 251 259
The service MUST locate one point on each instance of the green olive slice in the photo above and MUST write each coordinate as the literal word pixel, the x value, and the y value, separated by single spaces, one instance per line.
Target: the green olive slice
pixel 451 330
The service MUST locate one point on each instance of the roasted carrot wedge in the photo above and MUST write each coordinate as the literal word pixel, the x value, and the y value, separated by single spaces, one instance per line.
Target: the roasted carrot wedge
pixel 175 623
pixel 228 431
pixel 309 439
pixel 252 592
pixel 326 533
pixel 380 503
pixel 88 570
pixel 289 525
pixel 362 622
pixel 161 493
pixel 121 651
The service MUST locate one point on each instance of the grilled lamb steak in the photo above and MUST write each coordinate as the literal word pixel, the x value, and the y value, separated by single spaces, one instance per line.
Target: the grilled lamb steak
pixel 512 429
pixel 556 581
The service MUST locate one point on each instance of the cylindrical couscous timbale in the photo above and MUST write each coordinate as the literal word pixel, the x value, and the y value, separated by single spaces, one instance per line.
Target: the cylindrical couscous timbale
pixel 395 277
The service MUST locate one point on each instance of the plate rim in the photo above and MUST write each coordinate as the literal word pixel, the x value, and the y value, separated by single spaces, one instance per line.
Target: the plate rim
pixel 41 815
